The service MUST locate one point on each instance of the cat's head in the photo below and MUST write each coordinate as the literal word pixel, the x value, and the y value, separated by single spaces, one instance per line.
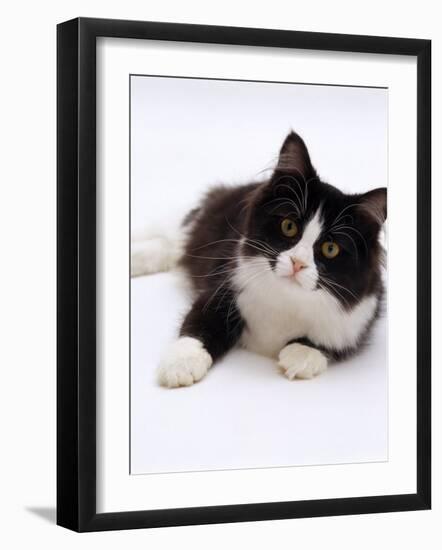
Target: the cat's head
pixel 313 235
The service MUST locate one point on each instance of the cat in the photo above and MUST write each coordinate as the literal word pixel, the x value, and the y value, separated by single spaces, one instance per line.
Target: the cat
pixel 290 268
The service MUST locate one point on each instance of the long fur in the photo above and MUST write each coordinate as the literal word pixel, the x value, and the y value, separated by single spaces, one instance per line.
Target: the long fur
pixel 241 266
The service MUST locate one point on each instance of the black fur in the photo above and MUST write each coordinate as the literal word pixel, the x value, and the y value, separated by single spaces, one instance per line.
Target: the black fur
pixel 216 321
pixel 253 213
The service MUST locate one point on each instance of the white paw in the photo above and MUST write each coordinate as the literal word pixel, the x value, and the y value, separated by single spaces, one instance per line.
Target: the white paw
pixel 185 362
pixel 299 361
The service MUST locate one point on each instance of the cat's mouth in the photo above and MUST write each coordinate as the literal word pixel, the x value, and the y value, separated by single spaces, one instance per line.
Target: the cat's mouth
pixel 303 280
pixel 299 282
pixel 297 272
pixel 293 278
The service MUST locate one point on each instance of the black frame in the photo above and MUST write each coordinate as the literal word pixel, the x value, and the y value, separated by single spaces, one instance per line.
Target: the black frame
pixel 76 273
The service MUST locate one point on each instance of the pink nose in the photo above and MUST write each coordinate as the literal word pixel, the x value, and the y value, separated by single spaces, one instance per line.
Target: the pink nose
pixel 297 265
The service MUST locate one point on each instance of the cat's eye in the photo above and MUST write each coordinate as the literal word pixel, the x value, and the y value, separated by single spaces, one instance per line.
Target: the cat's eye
pixel 289 227
pixel 330 249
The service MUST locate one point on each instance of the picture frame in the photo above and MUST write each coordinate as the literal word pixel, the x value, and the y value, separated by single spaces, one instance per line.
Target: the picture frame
pixel 78 282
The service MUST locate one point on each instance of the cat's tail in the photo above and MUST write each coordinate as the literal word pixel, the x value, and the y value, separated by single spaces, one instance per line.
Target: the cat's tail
pixel 155 250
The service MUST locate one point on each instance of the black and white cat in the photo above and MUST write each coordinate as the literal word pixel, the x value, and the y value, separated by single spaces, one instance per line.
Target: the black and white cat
pixel 289 268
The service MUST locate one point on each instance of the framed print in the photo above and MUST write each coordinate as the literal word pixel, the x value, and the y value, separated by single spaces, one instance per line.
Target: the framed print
pixel 243 274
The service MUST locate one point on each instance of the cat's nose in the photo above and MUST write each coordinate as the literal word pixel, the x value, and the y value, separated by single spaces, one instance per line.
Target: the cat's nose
pixel 297 265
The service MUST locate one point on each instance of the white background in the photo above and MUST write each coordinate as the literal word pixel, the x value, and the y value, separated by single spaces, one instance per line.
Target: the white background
pixel 28 276
pixel 188 135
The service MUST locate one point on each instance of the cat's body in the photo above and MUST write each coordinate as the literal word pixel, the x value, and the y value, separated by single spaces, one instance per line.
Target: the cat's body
pixel 288 268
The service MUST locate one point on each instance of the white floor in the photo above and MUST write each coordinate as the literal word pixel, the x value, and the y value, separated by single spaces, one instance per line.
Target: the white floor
pixel 245 413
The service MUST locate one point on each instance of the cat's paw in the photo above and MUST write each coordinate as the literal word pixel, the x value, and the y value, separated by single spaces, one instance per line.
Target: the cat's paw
pixel 299 361
pixel 186 362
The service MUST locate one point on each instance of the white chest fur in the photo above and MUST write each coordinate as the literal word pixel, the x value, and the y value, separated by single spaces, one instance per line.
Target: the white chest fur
pixel 277 311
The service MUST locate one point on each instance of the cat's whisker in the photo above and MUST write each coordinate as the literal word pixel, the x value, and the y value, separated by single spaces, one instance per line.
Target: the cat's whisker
pixel 254 276
pixel 216 257
pixel 217 242
pixel 342 218
pixel 209 301
pixel 302 191
pixel 330 290
pixel 246 203
pixel 301 198
pixel 243 237
pixel 291 177
pixel 351 228
pixel 259 242
pixel 306 196
pixel 223 268
pixel 210 257
pixel 330 281
pixel 262 247
pixel 259 249
pixel 344 234
pixel 335 284
pixel 259 245
pixel 339 216
pixel 339 301
pixel 282 200
pixel 226 280
pixel 215 273
pixel 306 182
pixel 293 191
pixel 290 203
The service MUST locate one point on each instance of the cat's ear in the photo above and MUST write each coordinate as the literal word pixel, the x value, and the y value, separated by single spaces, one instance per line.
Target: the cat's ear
pixel 374 205
pixel 294 157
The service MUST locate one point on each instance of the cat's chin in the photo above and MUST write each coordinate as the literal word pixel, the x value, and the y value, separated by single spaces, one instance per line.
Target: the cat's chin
pixel 304 280
pixel 293 282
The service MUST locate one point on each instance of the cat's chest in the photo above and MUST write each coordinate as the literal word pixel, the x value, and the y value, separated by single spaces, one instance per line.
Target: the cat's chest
pixel 275 313
pixel 271 320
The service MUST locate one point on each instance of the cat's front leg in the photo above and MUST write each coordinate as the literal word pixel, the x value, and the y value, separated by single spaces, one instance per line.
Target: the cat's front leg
pixel 300 359
pixel 212 327
pixel 184 363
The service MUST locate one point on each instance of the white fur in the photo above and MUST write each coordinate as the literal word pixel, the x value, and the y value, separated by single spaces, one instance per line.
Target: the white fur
pixel 299 361
pixel 185 362
pixel 277 310
pixel 155 251
pixel 302 251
